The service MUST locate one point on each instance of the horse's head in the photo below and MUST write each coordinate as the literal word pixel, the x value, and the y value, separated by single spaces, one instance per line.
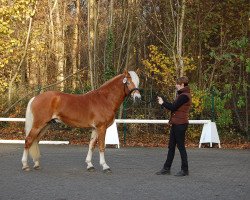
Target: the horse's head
pixel 131 81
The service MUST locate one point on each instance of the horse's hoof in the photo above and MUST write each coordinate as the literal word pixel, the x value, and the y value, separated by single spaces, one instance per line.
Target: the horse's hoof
pixel 107 171
pixel 91 169
pixel 26 168
pixel 37 167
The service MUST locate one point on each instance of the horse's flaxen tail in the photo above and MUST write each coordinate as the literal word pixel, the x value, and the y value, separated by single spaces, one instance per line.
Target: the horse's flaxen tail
pixel 34 149
pixel 29 118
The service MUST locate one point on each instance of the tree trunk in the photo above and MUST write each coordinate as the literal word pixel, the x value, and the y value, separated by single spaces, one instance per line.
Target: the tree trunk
pixel 91 5
pixel 95 50
pixel 180 71
pixel 59 42
pixel 51 59
pixel 75 48
pixel 128 46
pixel 109 39
pixel 122 44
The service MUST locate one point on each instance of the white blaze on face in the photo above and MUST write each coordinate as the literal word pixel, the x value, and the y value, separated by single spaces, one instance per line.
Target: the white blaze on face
pixel 136 81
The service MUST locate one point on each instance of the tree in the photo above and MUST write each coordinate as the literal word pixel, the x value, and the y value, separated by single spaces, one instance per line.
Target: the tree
pixel 165 21
pixel 92 18
pixel 11 15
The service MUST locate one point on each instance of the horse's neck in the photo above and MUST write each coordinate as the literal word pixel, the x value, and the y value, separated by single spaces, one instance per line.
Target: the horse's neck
pixel 114 91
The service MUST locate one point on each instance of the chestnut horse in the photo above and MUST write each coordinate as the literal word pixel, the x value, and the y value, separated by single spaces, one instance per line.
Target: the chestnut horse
pixel 95 109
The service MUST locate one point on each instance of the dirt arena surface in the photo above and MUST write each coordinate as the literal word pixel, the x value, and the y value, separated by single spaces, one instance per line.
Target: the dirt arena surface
pixel 214 174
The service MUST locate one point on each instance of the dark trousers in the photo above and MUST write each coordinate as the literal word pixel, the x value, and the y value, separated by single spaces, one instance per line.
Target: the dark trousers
pixel 177 137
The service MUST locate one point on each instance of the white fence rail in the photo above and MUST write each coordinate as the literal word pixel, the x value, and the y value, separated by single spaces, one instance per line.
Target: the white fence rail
pixel 156 121
pixel 209 132
pixel 12 119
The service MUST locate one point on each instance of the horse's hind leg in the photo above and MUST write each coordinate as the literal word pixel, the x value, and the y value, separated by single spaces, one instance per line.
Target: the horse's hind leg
pixel 34 130
pixel 30 147
pixel 34 148
pixel 25 160
pixel 92 144
pixel 35 154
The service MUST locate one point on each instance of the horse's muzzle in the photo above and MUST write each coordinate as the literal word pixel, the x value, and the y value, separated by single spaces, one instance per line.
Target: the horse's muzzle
pixel 137 96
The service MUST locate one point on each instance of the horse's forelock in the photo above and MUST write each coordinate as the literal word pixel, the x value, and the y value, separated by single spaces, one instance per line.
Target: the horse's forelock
pixel 135 78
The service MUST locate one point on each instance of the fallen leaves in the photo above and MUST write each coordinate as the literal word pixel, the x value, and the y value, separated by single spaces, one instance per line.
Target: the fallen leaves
pixel 80 137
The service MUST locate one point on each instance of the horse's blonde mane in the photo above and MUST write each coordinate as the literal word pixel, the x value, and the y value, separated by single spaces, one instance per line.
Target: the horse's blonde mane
pixel 135 78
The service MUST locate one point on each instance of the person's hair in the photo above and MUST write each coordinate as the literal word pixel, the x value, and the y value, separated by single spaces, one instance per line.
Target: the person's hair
pixel 183 80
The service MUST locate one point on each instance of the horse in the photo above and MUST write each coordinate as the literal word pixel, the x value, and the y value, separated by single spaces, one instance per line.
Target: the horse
pixel 95 109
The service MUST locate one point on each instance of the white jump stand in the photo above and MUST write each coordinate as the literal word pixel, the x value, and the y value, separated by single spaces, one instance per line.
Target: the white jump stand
pixel 209 134
pixel 112 135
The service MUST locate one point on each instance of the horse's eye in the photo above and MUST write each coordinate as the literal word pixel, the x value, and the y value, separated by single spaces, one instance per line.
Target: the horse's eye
pixel 128 83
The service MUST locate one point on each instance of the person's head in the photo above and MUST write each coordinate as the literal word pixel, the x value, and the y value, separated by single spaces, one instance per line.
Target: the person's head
pixel 181 82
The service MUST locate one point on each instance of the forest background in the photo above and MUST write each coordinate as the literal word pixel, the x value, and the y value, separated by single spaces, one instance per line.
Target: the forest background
pixel 74 46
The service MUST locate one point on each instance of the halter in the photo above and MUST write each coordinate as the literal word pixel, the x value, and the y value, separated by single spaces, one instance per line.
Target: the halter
pixel 133 90
pixel 125 81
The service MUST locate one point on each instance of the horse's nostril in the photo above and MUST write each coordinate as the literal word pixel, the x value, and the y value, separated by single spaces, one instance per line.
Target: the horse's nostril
pixel 138 98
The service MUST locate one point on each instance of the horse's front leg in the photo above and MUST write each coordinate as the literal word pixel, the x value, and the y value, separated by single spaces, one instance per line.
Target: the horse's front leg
pixel 92 144
pixel 101 143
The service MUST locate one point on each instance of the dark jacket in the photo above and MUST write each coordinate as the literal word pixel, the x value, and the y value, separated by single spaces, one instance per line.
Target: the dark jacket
pixel 180 107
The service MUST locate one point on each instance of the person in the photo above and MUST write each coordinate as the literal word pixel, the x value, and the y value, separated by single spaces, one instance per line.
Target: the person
pixel 179 124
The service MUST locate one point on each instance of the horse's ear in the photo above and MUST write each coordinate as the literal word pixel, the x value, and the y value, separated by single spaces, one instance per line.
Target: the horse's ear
pixel 125 72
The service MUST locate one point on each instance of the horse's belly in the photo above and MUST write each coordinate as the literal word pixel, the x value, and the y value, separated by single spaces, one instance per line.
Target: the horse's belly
pixel 74 122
